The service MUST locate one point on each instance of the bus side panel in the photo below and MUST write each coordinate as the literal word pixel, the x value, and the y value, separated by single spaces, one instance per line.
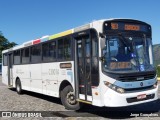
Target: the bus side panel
pixel 22 72
pixel 5 75
pixel 50 73
pixel 36 78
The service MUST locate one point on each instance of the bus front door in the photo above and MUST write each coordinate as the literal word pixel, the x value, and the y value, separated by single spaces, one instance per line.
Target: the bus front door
pixel 10 74
pixel 83 53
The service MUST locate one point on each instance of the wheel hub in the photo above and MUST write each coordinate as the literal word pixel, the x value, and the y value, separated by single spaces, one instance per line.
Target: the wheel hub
pixel 71 98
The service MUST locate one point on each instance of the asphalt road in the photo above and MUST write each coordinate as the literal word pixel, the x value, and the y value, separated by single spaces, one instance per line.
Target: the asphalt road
pixel 52 107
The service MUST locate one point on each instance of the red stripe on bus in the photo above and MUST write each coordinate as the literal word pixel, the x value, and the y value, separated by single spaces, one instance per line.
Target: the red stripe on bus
pixel 36 41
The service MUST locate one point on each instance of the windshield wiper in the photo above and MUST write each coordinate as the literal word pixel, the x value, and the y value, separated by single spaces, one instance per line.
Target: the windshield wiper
pixel 125 42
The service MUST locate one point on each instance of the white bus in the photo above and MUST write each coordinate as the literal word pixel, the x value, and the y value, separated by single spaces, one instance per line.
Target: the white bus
pixel 103 63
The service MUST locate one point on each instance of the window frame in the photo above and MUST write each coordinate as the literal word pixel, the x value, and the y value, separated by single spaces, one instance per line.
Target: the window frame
pixel 71 48
pixel 22 53
pixel 7 59
pixel 14 56
pixel 34 62
pixel 48 42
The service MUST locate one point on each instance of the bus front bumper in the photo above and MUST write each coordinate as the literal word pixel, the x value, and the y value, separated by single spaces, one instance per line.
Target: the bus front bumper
pixel 114 99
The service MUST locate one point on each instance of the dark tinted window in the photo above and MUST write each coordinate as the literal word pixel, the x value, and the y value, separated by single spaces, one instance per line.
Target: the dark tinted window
pixel 95 71
pixel 94 44
pixel 36 54
pixel 5 63
pixel 60 49
pixel 88 47
pixel 64 49
pixel 67 49
pixel 25 55
pixel 16 58
pixel 49 51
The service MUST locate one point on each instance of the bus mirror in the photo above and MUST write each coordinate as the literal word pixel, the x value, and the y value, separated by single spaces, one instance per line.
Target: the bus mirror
pixel 103 43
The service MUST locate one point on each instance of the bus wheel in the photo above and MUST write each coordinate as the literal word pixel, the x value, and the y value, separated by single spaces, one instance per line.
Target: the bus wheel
pixel 18 86
pixel 68 98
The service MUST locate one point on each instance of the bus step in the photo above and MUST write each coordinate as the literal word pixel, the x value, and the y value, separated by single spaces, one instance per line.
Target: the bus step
pixel 84 101
pixel 10 86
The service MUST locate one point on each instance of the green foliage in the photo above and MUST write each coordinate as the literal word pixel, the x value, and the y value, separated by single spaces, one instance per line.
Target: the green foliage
pixel 156 54
pixel 5 44
pixel 158 71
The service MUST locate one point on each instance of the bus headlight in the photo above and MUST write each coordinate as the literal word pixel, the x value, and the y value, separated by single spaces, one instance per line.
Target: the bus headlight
pixel 155 85
pixel 114 87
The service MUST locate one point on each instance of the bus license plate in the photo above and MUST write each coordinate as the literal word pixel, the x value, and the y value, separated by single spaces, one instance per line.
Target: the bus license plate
pixel 139 97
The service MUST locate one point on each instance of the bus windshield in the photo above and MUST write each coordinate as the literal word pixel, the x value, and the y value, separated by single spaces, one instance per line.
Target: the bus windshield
pixel 127 52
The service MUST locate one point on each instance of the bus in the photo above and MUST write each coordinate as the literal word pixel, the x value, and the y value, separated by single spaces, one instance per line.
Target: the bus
pixel 106 62
pixel 0 68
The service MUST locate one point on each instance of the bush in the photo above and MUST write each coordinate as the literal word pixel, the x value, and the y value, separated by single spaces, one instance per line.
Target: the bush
pixel 158 71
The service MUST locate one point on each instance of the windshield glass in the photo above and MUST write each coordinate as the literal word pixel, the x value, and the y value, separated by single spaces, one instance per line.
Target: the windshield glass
pixel 127 52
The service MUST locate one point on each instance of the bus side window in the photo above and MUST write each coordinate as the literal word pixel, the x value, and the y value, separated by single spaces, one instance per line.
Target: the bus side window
pixel 17 59
pixel 52 51
pixel 60 49
pixel 45 52
pixel 67 49
pixel 64 49
pixel 5 63
pixel 49 51
pixel 25 55
pixel 36 54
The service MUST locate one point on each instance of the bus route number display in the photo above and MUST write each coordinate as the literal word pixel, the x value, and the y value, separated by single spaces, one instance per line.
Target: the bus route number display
pixel 120 65
pixel 115 26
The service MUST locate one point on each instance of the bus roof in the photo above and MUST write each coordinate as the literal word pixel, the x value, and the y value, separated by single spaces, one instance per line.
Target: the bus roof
pixel 64 33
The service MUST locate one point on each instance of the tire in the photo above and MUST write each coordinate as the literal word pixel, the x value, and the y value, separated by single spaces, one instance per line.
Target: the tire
pixel 18 86
pixel 68 98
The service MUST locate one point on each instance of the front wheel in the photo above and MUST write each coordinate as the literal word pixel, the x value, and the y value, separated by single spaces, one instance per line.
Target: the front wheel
pixel 68 98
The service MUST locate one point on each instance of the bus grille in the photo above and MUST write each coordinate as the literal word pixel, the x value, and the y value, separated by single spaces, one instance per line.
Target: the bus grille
pixel 130 90
pixel 137 77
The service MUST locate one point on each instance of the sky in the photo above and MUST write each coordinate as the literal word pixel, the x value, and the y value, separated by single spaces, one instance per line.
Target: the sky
pixel 24 20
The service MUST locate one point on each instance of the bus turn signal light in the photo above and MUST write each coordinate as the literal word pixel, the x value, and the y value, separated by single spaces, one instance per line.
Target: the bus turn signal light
pixel 114 87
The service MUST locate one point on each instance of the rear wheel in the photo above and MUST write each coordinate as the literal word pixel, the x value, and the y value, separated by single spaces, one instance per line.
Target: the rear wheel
pixel 18 86
pixel 68 98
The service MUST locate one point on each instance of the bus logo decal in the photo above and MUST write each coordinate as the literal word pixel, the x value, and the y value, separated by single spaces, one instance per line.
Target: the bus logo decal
pixel 141 84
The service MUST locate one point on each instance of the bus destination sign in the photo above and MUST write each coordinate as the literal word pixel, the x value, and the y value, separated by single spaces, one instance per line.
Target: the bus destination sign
pixel 115 26
pixel 126 26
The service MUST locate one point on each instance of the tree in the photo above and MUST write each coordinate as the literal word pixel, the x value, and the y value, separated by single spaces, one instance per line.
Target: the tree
pixel 5 44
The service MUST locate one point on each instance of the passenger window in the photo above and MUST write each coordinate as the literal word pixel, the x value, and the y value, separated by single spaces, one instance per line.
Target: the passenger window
pixel 52 50
pixel 17 59
pixel 5 63
pixel 60 49
pixel 64 49
pixel 67 49
pixel 36 54
pixel 25 55
pixel 49 51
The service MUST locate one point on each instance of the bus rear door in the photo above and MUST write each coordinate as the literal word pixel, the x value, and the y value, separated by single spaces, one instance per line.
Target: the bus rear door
pixel 10 65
